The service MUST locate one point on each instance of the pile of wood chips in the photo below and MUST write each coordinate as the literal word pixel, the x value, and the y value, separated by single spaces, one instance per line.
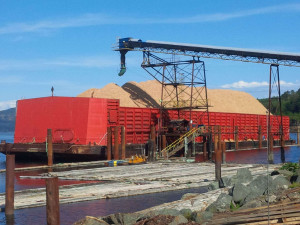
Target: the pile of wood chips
pixel 148 94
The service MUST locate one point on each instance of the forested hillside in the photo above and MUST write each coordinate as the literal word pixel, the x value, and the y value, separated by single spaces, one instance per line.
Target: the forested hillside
pixel 290 101
pixel 7 120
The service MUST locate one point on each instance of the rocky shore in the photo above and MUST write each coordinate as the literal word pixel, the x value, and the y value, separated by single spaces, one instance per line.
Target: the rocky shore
pixel 242 192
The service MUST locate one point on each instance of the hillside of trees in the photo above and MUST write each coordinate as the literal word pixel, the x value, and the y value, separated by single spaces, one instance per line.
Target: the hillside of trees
pixel 290 105
pixel 7 120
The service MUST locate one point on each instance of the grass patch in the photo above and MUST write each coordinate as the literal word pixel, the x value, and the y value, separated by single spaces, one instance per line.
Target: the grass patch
pixel 294 185
pixel 234 206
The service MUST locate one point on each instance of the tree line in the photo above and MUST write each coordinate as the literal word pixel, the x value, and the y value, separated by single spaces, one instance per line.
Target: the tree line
pixel 290 105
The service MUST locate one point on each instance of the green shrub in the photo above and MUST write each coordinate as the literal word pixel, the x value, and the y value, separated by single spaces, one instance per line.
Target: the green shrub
pixel 290 167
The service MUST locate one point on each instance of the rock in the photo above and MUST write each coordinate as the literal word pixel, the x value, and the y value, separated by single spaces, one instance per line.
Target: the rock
pixel 297 173
pixel 257 187
pixel 201 217
pixel 227 181
pixel 130 218
pixel 279 182
pixel 252 204
pixel 89 220
pixel 187 213
pixel 167 212
pixel 188 196
pixel 112 219
pixel 286 173
pixel 271 199
pixel 294 196
pixel 213 186
pixel 221 204
pixel 240 192
pixel 179 220
pixel 243 175
pixel 275 172
pixel 122 218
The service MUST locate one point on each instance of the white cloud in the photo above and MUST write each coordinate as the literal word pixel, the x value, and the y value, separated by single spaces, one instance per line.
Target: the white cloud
pixel 243 84
pixel 102 19
pixel 7 104
pixel 34 64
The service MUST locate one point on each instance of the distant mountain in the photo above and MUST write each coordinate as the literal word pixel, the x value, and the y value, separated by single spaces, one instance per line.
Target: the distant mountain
pixel 7 120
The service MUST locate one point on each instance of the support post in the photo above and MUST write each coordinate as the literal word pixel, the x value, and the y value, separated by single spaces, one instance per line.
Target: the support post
pixel 219 137
pixel 282 141
pixel 216 138
pixel 236 137
pixel 109 142
pixel 223 152
pixel 49 147
pixel 298 135
pixel 259 137
pixel 186 149
pixel 123 145
pixel 52 201
pixel 164 145
pixel 116 146
pixel 10 185
pixel 194 145
pixel 218 162
pixel 204 149
pixel 153 139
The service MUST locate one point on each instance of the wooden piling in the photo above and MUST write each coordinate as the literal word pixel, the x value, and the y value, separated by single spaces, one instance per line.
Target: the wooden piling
pixel 219 137
pixel 270 150
pixel 223 152
pixel 282 141
pixel 52 201
pixel 298 135
pixel 164 145
pixel 10 185
pixel 116 146
pixel 49 147
pixel 204 149
pixel 236 137
pixel 218 162
pixel 109 142
pixel 123 145
pixel 259 137
pixel 153 136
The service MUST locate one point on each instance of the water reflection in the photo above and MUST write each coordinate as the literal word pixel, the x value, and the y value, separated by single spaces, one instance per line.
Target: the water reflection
pixel 70 213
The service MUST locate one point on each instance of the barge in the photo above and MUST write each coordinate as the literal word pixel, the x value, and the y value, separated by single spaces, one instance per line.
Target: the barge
pixel 79 126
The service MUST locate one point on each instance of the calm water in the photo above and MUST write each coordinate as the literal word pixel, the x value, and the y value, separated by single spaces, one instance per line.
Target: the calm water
pixel 75 211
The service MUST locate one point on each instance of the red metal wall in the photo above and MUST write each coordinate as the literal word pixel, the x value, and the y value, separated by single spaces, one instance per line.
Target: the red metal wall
pixel 72 120
pixel 138 120
pixel 85 120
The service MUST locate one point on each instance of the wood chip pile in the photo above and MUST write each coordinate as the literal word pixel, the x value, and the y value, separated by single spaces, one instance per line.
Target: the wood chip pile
pixel 148 94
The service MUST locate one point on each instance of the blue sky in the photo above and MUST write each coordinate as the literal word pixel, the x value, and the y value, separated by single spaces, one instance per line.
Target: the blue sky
pixel 69 44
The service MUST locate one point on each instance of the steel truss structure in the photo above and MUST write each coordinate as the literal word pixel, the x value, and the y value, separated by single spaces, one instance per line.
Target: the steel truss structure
pixel 274 105
pixel 203 51
pixel 183 82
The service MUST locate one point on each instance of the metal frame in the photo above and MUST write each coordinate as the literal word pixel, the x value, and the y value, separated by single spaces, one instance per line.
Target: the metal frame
pixel 215 52
pixel 183 82
pixel 274 83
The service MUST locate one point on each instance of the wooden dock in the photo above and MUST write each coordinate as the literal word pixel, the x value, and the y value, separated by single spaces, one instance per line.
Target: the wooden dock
pixel 131 180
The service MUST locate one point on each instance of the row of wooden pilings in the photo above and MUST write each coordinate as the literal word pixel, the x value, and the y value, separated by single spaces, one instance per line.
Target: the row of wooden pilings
pixel 113 134
pixel 52 187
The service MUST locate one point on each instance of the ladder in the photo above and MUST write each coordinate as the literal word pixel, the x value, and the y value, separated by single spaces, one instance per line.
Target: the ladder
pixel 177 145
